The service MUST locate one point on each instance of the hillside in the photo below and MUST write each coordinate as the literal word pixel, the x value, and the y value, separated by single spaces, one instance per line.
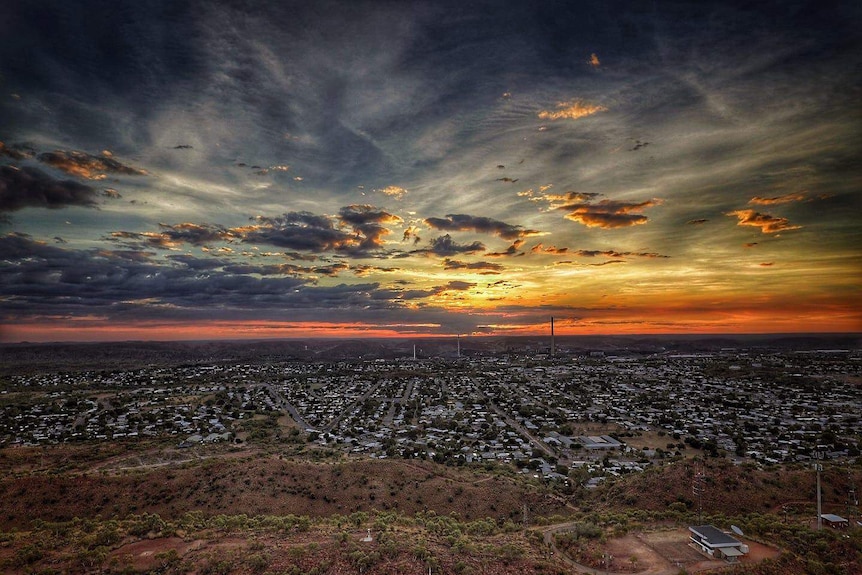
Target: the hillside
pixel 224 510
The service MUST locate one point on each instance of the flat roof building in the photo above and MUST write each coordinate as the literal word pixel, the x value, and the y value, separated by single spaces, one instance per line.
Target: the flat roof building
pixel 599 442
pixel 716 543
pixel 835 521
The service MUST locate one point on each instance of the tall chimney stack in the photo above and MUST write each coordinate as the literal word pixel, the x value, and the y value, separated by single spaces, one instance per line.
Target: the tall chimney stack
pixel 553 348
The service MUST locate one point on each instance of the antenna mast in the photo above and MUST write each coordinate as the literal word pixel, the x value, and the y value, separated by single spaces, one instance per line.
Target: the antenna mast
pixel 698 485
pixel 818 468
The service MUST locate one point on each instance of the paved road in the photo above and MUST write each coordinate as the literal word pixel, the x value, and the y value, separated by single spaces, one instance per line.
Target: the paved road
pixel 349 409
pixel 539 444
pixel 282 402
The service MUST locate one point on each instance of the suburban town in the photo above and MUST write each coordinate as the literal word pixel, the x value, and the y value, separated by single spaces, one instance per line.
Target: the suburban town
pixel 607 414
pixel 657 458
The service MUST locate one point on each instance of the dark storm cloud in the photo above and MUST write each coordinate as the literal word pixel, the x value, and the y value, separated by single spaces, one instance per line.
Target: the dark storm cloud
pixel 37 279
pixel 16 152
pixel 454 285
pixel 196 234
pixel 365 270
pixel 30 187
pixel 465 222
pixel 457 285
pixel 294 230
pixel 367 223
pixel 143 239
pixel 298 231
pixel 445 246
pixel 86 165
pixel 330 270
pixel 131 255
pixel 489 267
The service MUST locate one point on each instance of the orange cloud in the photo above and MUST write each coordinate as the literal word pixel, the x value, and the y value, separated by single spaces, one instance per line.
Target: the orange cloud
pixel 86 165
pixel 787 198
pixel 393 192
pixel 540 249
pixel 594 61
pixel 510 251
pixel 609 214
pixel 571 111
pixel 152 239
pixel 767 224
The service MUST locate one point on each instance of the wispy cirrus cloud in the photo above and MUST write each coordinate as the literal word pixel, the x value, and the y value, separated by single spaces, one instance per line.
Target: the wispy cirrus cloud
pixel 571 111
pixel 578 264
pixel 540 249
pixel 768 224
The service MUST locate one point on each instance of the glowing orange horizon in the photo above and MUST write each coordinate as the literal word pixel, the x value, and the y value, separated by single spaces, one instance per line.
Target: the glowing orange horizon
pixel 91 330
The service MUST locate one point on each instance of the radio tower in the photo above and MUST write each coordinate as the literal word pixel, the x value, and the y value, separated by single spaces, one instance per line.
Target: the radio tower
pixel 698 486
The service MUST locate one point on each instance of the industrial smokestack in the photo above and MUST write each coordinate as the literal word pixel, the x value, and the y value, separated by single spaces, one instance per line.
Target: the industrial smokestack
pixel 553 348
pixel 459 345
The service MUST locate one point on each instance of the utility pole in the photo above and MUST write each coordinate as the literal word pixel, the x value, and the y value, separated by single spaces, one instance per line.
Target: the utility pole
pixel 818 468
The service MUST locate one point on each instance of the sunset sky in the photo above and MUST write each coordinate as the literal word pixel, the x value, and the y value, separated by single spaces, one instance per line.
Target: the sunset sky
pixel 196 170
